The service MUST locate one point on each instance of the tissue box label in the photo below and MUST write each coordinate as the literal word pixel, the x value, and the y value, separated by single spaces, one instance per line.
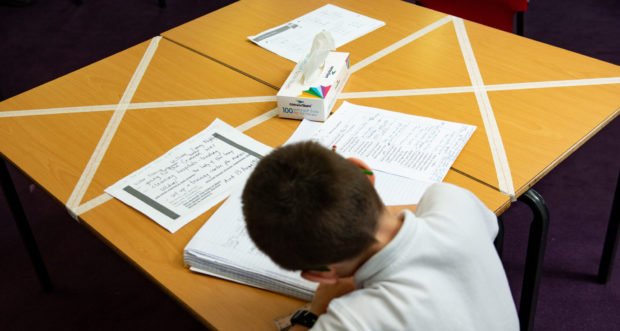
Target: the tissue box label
pixel 315 100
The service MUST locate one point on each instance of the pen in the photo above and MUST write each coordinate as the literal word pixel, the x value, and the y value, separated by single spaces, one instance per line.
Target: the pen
pixel 368 172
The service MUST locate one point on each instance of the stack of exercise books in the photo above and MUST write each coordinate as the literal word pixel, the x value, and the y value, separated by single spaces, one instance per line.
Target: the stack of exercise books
pixel 223 248
pixel 407 154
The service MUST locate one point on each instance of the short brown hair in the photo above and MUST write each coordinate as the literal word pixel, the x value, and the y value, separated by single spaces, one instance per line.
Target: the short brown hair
pixel 306 206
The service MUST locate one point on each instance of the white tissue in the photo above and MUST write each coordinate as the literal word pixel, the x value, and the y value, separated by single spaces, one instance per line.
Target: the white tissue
pixel 322 44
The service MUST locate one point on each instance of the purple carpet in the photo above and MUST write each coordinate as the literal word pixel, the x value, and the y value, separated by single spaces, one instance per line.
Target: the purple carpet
pixel 96 289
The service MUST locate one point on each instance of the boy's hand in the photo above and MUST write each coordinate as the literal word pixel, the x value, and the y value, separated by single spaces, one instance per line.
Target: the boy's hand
pixel 326 292
pixel 396 209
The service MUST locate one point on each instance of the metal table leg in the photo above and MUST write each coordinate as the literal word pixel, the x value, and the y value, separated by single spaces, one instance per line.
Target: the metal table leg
pixel 24 228
pixel 611 239
pixel 534 259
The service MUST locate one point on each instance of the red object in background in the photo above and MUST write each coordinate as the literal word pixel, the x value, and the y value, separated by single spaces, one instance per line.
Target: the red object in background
pixel 495 13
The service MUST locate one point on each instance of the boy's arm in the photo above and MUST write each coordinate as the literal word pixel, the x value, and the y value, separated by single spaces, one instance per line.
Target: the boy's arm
pixel 324 294
pixel 459 205
pixel 396 209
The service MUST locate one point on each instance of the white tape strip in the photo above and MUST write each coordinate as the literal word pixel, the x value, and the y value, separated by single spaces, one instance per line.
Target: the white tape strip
pixel 203 102
pixel 257 120
pixel 89 172
pixel 93 203
pixel 361 64
pixel 51 111
pixel 554 83
pixel 349 95
pixel 403 93
pixel 495 87
pixel 498 152
pixel 139 105
pixel 72 213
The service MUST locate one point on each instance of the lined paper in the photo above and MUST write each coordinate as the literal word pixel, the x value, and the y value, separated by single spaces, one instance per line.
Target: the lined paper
pixel 410 146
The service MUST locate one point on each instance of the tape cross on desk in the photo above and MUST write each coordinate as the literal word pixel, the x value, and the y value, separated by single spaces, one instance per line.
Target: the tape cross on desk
pixel 478 87
pixel 95 160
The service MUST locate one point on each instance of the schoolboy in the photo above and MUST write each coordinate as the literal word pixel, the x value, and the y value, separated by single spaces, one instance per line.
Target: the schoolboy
pixel 310 209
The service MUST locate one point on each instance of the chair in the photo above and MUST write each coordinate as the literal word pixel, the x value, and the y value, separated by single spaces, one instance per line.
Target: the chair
pixel 495 13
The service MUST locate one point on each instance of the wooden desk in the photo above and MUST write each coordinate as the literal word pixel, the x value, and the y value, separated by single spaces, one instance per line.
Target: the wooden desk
pixel 53 146
pixel 222 35
pixel 540 121
pixel 54 149
pixel 533 104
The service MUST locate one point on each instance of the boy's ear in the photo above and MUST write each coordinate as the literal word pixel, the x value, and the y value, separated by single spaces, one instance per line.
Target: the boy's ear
pixel 326 277
pixel 362 165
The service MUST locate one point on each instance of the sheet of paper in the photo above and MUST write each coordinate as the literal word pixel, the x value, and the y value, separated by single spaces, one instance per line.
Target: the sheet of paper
pixel 410 146
pixel 293 40
pixel 192 177
pixel 393 189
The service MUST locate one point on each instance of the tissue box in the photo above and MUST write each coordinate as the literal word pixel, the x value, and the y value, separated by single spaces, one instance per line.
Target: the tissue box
pixel 315 100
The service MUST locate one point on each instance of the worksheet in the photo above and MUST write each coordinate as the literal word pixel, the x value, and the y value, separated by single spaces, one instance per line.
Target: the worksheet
pixel 392 189
pixel 409 146
pixel 293 40
pixel 192 177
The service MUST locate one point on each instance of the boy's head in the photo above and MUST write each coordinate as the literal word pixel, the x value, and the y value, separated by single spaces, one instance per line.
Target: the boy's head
pixel 306 207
